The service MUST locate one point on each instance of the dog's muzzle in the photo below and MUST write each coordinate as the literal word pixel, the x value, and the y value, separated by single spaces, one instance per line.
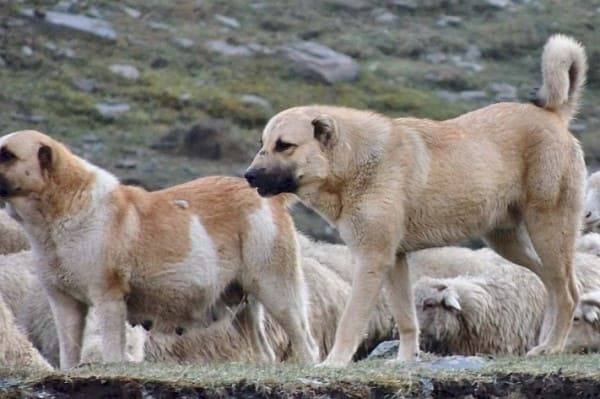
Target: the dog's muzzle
pixel 271 183
pixel 6 188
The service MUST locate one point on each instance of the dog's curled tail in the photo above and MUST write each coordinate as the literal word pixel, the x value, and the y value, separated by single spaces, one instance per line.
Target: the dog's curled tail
pixel 564 69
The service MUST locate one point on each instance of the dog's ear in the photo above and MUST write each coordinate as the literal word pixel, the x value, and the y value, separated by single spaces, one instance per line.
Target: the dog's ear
pixel 325 129
pixel 45 157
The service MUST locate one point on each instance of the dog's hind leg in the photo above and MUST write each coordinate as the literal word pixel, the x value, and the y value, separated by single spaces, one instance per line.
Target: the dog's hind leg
pixel 399 298
pixel 553 234
pixel 287 301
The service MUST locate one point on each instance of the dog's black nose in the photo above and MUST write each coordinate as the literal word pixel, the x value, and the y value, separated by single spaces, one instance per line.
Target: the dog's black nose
pixel 147 325
pixel 179 331
pixel 252 175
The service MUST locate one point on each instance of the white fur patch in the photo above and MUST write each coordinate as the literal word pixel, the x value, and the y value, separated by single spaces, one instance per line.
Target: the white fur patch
pixel 202 248
pixel 263 231
pixel 104 182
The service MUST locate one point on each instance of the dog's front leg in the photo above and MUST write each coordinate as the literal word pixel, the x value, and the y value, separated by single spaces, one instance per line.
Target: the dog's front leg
pixel 371 267
pixel 69 316
pixel 112 313
pixel 399 298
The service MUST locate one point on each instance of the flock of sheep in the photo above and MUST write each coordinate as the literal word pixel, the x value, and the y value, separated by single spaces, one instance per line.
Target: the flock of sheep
pixel 468 302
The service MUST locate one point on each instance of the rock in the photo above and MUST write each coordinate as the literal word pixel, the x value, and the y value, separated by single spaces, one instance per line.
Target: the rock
pixel 224 48
pixel 350 5
pixel 85 85
pixel 29 118
pixel 455 363
pixel 201 140
pixel 26 51
pixel 2 62
pixel 466 95
pixel 498 4
pixel 227 21
pixel 470 95
pixel 385 350
pixel 93 12
pixel 315 60
pixel 126 164
pixel 183 42
pixel 461 63
pixel 126 71
pixel 80 23
pixel 107 110
pixel 386 17
pixel 132 12
pixel 473 53
pixel 503 91
pixel 253 99
pixel 159 26
pixel 405 4
pixel 448 20
pixel 436 58
pixel 64 6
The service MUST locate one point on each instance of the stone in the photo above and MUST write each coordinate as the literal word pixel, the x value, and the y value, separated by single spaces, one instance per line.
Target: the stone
pixel 314 60
pixel 108 110
pixel 253 99
pixel 81 23
pixel 183 42
pixel 503 91
pixel 132 12
pixel 224 48
pixel 227 21
pixel 126 71
pixel 385 350
pixel 85 85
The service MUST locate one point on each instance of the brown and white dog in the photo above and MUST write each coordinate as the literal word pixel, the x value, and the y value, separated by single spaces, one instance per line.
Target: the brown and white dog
pixel 509 172
pixel 161 258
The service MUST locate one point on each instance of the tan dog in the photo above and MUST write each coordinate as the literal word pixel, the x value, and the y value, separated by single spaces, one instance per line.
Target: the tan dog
pixel 160 258
pixel 510 172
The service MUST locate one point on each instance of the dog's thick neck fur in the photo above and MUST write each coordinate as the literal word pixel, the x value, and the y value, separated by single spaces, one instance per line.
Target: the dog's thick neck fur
pixel 71 204
pixel 356 165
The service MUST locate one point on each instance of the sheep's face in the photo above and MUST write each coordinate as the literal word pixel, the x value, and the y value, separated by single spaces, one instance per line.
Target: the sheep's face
pixel 438 311
pixel 592 204
pixel 585 333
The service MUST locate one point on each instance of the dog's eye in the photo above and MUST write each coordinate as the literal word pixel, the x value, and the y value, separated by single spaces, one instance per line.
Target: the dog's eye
pixel 281 146
pixel 6 155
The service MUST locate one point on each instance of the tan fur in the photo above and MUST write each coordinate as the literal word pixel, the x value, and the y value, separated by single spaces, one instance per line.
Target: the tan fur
pixel 13 238
pixel 511 173
pixel 469 315
pixel 141 255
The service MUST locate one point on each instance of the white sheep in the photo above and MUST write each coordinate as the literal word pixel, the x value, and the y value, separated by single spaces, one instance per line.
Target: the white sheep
pixel 16 351
pixel 585 333
pixel 12 237
pixel 592 203
pixel 497 311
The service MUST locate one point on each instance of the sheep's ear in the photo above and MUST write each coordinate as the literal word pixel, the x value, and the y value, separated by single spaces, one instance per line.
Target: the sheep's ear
pixel 325 129
pixel 590 314
pixel 451 301
pixel 590 306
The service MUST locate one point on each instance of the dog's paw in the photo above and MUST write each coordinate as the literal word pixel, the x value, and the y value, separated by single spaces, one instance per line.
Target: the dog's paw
pixel 543 350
